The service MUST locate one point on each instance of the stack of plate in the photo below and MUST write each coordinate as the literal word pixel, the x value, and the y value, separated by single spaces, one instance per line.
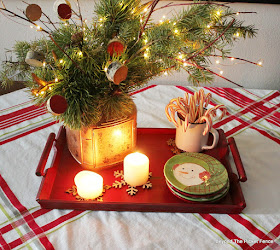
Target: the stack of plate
pixel 196 177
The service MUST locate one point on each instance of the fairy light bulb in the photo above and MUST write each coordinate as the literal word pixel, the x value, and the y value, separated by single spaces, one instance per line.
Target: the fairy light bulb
pixel 219 13
pixel 105 69
pixel 237 34
pixel 38 27
pixel 163 17
pixel 185 64
pixel 31 27
pixel 146 55
pixel 61 61
pixel 145 10
pixel 65 24
pixel 208 26
pixel 160 21
pixel 50 88
pixel 217 61
pixel 232 58
pixel 174 23
pixel 260 63
pixel 80 53
pixel 56 79
pixel 42 92
pixel 237 13
pixel 176 31
pixel 101 19
pixel 146 40
pixel 85 20
pixel 44 64
pixel 221 72
pixel 180 56
pixel 165 73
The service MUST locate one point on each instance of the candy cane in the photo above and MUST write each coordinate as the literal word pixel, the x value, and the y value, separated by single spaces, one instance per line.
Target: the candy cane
pixel 207 100
pixel 186 123
pixel 208 124
pixel 173 119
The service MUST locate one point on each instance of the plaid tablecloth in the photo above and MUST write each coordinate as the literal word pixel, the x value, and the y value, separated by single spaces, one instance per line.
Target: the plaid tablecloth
pixel 253 119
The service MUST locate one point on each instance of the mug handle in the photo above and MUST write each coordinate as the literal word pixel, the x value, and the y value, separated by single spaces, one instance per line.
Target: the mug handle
pixel 215 134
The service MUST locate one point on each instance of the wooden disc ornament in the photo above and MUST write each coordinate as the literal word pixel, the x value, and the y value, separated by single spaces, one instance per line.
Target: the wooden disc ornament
pixel 33 12
pixel 116 72
pixel 64 11
pixel 58 2
pixel 57 105
pixel 115 46
pixel 34 58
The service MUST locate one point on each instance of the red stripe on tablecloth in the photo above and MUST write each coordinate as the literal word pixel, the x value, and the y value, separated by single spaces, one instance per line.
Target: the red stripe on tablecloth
pixel 19 112
pixel 25 213
pixel 141 90
pixel 275 232
pixel 21 118
pixel 61 219
pixel 28 132
pixel 51 225
pixel 251 227
pixel 255 107
pixel 227 232
pixel 1 110
pixel 3 243
pixel 246 124
pixel 21 221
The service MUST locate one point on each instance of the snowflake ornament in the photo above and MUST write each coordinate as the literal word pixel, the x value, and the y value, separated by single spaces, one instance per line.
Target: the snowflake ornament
pixel 130 190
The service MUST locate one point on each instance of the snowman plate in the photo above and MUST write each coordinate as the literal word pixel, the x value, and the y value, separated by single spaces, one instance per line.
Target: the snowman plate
pixel 196 173
pixel 208 196
pixel 210 199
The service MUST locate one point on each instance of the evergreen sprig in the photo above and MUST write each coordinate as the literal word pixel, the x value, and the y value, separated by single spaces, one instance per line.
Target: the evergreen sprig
pixel 184 42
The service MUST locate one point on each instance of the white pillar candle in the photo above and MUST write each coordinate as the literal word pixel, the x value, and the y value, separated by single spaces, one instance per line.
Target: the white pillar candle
pixel 136 169
pixel 89 184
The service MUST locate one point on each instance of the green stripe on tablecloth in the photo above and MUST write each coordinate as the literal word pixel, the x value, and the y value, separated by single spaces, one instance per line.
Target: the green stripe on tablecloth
pixel 15 107
pixel 10 219
pixel 211 229
pixel 61 226
pixel 14 218
pixel 24 129
pixel 255 222
pixel 68 222
pixel 260 126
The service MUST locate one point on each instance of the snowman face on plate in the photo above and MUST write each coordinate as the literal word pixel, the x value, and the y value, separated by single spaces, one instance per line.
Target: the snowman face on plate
pixel 189 174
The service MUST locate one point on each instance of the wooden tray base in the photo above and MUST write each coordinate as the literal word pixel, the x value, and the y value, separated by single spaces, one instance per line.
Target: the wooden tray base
pixel 152 142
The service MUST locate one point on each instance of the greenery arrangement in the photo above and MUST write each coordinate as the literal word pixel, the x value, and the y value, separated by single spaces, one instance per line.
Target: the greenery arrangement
pixel 78 53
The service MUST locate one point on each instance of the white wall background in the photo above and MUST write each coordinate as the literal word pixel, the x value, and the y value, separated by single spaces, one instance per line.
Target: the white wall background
pixel 265 46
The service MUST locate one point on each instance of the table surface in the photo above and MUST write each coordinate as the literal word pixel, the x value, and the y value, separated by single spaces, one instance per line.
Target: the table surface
pixel 253 119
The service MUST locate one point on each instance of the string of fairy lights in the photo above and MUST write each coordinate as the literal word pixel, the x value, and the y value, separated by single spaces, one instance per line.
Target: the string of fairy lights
pixel 146 52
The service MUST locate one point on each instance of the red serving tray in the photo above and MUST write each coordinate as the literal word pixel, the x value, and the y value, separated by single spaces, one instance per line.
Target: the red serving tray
pixel 152 142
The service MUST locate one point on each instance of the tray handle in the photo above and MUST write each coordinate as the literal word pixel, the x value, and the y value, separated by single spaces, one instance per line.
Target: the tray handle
pixel 44 157
pixel 237 159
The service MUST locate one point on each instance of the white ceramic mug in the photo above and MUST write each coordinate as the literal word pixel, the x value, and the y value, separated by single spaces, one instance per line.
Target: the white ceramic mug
pixel 192 139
